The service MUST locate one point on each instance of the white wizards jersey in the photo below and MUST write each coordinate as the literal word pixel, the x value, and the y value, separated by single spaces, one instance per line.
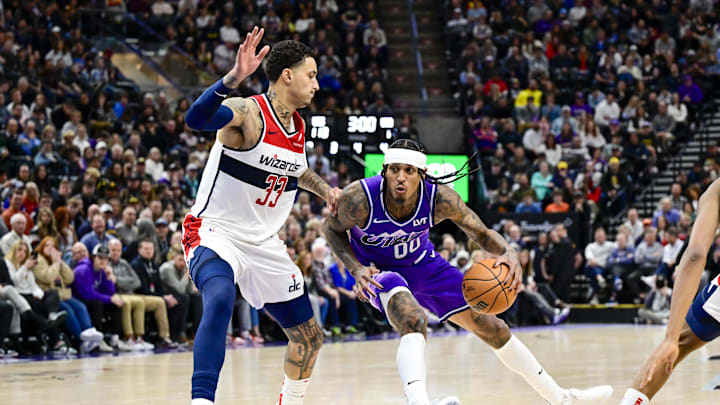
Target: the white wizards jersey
pixel 247 195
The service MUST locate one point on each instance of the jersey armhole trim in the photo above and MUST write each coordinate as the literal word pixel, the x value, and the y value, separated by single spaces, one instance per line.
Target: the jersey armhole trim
pixel 434 188
pixel 370 205
pixel 262 131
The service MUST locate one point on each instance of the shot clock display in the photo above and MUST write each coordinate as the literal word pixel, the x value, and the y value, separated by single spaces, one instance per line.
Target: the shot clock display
pixel 357 133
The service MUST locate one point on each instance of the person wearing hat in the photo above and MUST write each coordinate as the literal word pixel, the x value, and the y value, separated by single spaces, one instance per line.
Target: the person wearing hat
pixel 95 285
pixel 614 183
pixel 503 204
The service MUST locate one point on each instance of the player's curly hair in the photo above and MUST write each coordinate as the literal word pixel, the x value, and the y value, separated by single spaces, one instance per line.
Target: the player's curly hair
pixel 444 179
pixel 284 55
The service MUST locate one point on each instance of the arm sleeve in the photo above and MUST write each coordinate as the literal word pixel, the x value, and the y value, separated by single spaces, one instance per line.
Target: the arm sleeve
pixel 206 113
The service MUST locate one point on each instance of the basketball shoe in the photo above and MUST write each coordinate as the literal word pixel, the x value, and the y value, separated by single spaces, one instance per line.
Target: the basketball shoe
pixel 446 401
pixel 591 396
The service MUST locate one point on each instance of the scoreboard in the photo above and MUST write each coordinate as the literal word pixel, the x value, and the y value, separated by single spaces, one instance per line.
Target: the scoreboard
pixel 358 134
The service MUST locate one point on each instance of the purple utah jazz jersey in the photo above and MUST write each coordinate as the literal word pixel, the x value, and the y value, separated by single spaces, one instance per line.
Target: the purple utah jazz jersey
pixel 387 243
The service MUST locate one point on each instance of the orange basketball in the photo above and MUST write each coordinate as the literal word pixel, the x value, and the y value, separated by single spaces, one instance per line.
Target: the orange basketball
pixel 483 290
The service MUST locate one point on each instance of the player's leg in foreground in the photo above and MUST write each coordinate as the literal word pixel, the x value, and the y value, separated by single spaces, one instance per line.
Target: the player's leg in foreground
pixel 215 279
pixel 698 329
pixel 408 318
pixel 304 341
pixel 516 356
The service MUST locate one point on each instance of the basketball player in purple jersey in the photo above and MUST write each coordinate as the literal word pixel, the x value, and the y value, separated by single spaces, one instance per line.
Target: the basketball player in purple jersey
pixel 692 324
pixel 398 270
pixel 245 195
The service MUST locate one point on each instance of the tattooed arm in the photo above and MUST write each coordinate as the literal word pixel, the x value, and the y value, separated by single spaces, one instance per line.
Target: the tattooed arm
pixel 449 205
pixel 352 210
pixel 311 181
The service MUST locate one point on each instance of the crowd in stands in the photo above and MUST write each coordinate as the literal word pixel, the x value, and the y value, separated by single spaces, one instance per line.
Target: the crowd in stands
pixel 585 96
pixel 573 106
pixel 351 47
pixel 95 176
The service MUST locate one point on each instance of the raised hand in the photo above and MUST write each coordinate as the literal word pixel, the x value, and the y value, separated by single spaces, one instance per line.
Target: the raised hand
pixel 247 61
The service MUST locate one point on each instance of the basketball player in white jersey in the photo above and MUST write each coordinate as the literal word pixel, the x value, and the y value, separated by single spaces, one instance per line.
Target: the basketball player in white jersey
pixel 692 324
pixel 245 195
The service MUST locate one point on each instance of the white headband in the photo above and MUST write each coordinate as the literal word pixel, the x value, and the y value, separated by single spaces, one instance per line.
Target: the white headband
pixel 406 156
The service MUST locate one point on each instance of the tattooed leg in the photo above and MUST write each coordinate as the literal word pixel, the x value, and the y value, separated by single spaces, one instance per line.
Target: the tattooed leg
pixel 489 328
pixel 406 315
pixel 305 342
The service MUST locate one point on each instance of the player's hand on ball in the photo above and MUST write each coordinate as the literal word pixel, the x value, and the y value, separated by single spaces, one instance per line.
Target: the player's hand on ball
pixel 664 356
pixel 514 277
pixel 363 279
pixel 247 62
pixel 333 195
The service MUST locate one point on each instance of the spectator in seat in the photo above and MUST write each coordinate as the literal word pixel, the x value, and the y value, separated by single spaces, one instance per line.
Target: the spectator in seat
pixel 325 287
pixel 176 280
pixel 677 199
pixel 126 230
pixel 634 224
pixel 671 250
pixel 18 224
pixel 16 202
pixel 558 205
pixel 561 263
pixel 126 282
pixel 98 234
pixel 344 282
pixel 151 284
pixel 614 184
pixel 596 258
pixel 648 256
pixel 666 210
pixel 51 273
pixel 607 111
pixel 620 264
pixel 95 285
pixel 528 204
pixel 542 181
pixel 657 304
pixel 379 107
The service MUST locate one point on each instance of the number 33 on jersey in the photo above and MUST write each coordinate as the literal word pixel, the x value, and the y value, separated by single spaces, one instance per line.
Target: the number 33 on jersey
pixel 252 191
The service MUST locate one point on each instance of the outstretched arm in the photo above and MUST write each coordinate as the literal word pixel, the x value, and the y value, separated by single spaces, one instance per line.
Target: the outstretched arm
pixel 449 205
pixel 211 111
pixel 352 210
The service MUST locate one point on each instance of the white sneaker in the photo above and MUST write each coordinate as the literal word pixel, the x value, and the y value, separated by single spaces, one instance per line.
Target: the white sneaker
pixel 124 346
pixel 591 396
pixel 91 335
pixel 88 346
pixel 446 401
pixel 105 348
pixel 145 345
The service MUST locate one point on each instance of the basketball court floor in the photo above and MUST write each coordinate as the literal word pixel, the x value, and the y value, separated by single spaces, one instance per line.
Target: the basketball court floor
pixel 364 373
